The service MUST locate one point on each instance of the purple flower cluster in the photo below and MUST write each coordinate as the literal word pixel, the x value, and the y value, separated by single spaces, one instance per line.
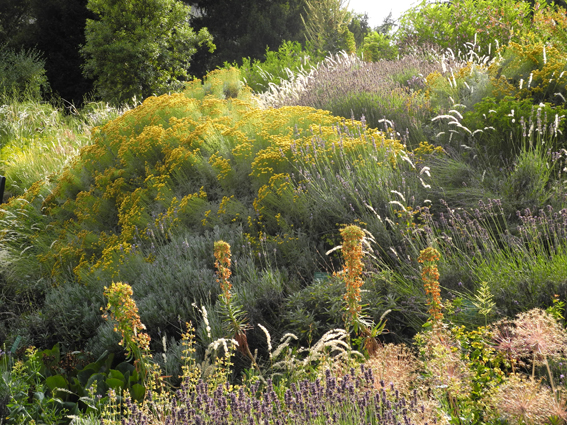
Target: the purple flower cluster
pixel 351 399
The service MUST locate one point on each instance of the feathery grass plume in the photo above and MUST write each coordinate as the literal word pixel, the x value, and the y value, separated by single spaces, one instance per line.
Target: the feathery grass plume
pixel 122 309
pixel 430 276
pixel 332 351
pixel 235 317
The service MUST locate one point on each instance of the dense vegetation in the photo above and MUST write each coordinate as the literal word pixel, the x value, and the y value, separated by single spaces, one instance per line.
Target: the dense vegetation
pixel 368 237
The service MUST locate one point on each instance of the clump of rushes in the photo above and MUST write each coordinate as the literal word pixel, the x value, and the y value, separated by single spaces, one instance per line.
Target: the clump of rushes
pixel 235 318
pixel 430 276
pixel 352 249
pixel 123 310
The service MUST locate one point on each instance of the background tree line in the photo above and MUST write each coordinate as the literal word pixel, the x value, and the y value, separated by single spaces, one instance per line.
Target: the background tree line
pixel 54 32
pixel 132 50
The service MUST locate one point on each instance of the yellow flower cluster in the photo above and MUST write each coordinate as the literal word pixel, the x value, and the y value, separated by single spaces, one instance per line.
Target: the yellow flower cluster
pixel 144 169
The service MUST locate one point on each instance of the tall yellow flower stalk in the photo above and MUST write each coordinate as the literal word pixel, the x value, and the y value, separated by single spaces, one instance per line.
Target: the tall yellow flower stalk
pixel 235 317
pixel 352 250
pixel 430 276
pixel 222 264
pixel 352 254
pixel 123 310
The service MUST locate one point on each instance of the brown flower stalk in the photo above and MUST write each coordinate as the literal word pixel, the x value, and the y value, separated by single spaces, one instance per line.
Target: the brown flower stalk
pixel 235 318
pixel 222 264
pixel 353 239
pixel 430 276
pixel 122 309
pixel 352 270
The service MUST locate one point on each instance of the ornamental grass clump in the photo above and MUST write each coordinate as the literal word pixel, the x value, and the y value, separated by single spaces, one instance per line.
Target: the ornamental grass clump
pixel 389 94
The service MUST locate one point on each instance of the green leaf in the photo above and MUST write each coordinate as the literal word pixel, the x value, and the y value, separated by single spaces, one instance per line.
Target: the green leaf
pixel 125 367
pixel 115 383
pixel 84 375
pixel 56 381
pixel 137 392
pixel 100 380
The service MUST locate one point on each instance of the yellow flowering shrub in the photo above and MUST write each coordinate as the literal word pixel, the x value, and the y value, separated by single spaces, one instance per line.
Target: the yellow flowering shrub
pixel 194 160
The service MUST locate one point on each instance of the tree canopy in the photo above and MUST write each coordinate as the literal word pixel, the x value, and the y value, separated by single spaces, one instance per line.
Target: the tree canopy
pixel 137 48
pixel 245 28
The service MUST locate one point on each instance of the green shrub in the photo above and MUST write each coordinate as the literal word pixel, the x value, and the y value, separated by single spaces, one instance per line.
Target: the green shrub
pixel 139 50
pixel 378 46
pixel 275 183
pixel 22 74
pixel 290 58
pixel 486 24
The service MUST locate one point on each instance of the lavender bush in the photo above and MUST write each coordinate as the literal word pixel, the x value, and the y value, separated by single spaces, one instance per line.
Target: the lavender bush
pixel 391 90
pixel 350 399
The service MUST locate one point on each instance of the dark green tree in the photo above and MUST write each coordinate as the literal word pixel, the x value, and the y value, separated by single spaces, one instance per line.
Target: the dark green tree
pixel 359 27
pixel 56 28
pixel 245 28
pixel 139 47
pixel 327 26
pixel 14 16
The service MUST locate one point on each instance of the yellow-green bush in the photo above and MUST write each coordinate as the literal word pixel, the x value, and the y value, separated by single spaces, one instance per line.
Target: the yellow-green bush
pixel 192 160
